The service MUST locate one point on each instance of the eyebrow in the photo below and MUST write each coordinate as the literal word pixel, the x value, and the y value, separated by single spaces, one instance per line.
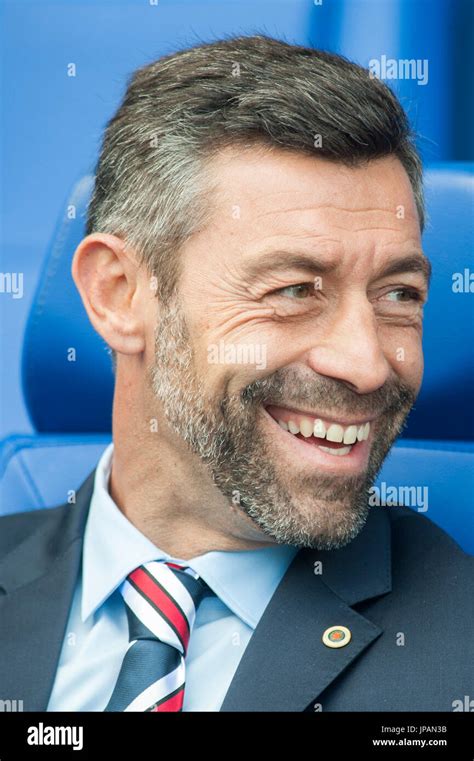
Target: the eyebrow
pixel 411 263
pixel 277 261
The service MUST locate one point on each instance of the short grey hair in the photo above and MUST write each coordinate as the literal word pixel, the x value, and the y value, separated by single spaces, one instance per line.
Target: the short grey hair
pixel 153 186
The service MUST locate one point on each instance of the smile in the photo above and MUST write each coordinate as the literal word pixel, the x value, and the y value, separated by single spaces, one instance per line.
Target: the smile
pixel 333 438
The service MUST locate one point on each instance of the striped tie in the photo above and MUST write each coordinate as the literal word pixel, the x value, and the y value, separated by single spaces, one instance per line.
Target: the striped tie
pixel 161 600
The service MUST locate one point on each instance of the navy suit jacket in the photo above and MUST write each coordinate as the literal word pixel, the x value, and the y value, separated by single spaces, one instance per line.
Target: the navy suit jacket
pixel 403 587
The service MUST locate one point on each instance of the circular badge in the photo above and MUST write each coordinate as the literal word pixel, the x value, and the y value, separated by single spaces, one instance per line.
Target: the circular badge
pixel 337 636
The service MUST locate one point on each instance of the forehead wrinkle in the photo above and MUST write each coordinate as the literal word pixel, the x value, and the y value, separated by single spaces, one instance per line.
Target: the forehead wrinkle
pixel 324 207
pixel 367 229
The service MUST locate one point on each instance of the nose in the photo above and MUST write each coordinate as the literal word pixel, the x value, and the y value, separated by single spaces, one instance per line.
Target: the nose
pixel 350 350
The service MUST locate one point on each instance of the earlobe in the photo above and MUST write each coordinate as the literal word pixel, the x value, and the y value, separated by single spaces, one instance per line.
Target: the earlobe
pixel 105 274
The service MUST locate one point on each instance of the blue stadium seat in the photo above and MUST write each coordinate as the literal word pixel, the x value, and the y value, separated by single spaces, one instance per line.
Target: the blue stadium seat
pixel 41 471
pixel 67 372
pixel 68 380
pixel 448 241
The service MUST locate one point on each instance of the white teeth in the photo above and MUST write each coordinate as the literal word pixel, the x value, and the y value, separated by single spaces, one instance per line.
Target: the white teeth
pixel 350 434
pixel 319 429
pixel 338 452
pixel 306 427
pixel 363 432
pixel 335 433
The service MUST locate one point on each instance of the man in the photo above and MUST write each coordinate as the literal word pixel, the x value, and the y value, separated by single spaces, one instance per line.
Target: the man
pixel 253 260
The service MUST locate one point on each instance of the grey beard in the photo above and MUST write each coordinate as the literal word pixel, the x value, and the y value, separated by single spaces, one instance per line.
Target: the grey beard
pixel 320 511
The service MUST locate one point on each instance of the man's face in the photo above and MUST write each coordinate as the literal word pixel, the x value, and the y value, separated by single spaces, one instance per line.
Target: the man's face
pixel 295 355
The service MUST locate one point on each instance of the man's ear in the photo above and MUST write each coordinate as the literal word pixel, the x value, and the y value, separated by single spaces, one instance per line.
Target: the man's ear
pixel 106 274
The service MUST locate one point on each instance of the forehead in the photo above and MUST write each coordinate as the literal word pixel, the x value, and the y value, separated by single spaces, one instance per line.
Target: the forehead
pixel 262 191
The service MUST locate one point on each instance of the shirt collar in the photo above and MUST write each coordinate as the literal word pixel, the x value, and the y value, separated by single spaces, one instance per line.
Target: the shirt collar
pixel 113 547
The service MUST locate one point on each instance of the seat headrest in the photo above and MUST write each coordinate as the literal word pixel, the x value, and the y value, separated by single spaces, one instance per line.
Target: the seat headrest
pixel 444 408
pixel 66 368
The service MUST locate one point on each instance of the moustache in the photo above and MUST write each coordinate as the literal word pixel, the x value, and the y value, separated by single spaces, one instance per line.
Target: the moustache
pixel 287 387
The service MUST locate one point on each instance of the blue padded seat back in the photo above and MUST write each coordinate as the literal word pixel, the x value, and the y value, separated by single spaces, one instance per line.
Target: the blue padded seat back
pixel 445 409
pixel 67 372
pixel 41 471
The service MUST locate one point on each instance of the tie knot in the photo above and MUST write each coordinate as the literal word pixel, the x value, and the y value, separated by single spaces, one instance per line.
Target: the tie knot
pixel 161 600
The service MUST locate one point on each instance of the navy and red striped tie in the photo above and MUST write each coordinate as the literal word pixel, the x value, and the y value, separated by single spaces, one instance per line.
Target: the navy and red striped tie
pixel 161 600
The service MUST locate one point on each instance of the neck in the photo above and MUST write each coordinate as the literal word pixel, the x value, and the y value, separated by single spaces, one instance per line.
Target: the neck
pixel 168 494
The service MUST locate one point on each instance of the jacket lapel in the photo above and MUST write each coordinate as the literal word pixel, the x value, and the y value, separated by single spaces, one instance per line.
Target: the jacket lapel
pixel 286 666
pixel 37 580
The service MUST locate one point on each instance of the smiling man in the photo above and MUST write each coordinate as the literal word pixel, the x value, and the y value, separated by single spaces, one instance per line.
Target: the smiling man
pixel 315 267
pixel 266 199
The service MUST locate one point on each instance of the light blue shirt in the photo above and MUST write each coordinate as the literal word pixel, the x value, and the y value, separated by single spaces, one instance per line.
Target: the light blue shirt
pixel 96 636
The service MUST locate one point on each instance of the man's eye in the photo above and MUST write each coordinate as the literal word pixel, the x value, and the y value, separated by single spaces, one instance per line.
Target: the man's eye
pixel 300 291
pixel 403 295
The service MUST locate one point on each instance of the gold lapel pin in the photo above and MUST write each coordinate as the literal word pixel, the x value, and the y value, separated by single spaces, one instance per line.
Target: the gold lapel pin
pixel 337 636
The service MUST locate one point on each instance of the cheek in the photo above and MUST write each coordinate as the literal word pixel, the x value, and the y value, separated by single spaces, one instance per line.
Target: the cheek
pixel 227 365
pixel 404 351
pixel 232 337
pixel 227 360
